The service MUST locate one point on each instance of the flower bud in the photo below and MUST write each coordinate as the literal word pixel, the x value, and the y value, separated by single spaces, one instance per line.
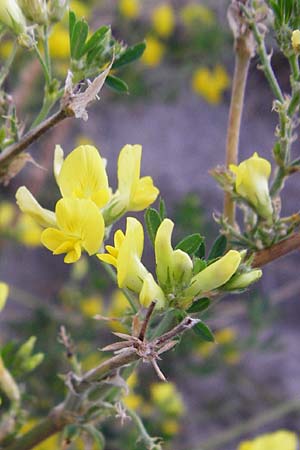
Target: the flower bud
pixel 35 10
pixel 29 205
pixel 215 275
pixel 151 292
pixel 57 9
pixel 251 183
pixel 296 40
pixel 11 15
pixel 243 280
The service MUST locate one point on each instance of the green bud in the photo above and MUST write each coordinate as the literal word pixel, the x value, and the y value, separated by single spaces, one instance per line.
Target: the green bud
pixel 57 9
pixel 11 15
pixel 243 280
pixel 33 362
pixel 26 349
pixel 35 10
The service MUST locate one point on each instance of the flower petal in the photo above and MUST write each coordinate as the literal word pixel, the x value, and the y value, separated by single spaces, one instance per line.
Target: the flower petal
pixel 29 205
pixel 146 193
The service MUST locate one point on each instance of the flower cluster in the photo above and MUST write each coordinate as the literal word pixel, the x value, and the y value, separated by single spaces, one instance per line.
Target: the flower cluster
pixel 180 279
pixel 88 205
pixel 281 439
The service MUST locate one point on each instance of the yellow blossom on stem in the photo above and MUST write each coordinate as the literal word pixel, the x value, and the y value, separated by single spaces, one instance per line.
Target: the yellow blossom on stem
pixel 210 84
pixel 130 8
pixel 173 267
pixel 278 440
pixel 80 225
pixel 29 205
pixel 251 183
pixel 126 255
pixel 163 20
pixel 153 53
pixel 82 174
pixel 134 193
pixel 150 292
pixel 296 40
pixel 215 275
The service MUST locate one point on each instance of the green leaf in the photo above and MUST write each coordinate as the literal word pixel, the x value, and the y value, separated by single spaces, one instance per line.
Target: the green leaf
pixel 152 220
pixel 96 39
pixel 131 54
pixel 79 35
pixel 198 265
pixel 116 84
pixel 190 244
pixel 203 330
pixel 201 252
pixel 218 248
pixel 199 305
pixel 72 21
pixel 162 209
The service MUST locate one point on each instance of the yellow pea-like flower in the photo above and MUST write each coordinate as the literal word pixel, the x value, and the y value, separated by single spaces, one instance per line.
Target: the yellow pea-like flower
pixel 215 275
pixel 29 205
pixel 173 267
pixel 251 183
pixel 167 398
pixel 279 440
pixel 163 20
pixel 210 84
pixel 243 280
pixel 153 53
pixel 80 225
pixel 126 256
pixel 150 292
pixel 193 13
pixel 82 174
pixel 130 8
pixel 296 40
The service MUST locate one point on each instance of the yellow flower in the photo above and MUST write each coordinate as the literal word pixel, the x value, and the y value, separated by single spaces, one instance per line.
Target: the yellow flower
pixel 59 43
pixel 79 225
pixel 150 292
pixel 11 15
pixel 153 53
pixel 134 193
pixel 173 267
pixel 206 349
pixel 118 307
pixel 210 84
pixel 130 8
pixel 278 440
pixel 232 357
pixel 251 183
pixel 170 427
pixel 215 275
pixel 225 336
pixel 243 280
pixel 296 40
pixel 7 214
pixel 4 290
pixel 81 9
pixel 126 256
pixel 29 232
pixel 6 47
pixel 91 306
pixel 82 174
pixel 167 398
pixel 29 205
pixel 193 13
pixel 133 401
pixel 163 20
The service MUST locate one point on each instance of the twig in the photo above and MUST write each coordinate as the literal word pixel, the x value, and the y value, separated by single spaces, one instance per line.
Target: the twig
pixel 282 248
pixel 146 321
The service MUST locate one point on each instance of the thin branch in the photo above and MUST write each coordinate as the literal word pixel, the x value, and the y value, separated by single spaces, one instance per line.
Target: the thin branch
pixel 146 321
pixel 282 248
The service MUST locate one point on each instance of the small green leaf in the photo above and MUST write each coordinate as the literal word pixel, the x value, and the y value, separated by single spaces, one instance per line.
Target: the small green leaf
pixel 201 252
pixel 152 220
pixel 218 248
pixel 131 54
pixel 116 84
pixel 72 21
pixel 79 35
pixel 96 39
pixel 199 264
pixel 199 305
pixel 190 244
pixel 162 209
pixel 202 330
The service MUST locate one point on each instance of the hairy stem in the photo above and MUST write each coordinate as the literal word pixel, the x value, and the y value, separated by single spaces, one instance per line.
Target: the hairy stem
pixel 282 248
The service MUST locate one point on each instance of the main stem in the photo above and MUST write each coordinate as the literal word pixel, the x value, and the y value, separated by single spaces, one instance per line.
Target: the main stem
pixel 242 61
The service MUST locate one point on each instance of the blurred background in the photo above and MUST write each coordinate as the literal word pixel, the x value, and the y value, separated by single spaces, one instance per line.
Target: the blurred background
pixel 177 109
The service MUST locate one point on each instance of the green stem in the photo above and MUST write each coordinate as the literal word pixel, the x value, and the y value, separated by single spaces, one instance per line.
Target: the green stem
pixel 44 65
pixel 48 103
pixel 132 301
pixel 5 69
pixel 150 442
pixel 46 50
pixel 259 421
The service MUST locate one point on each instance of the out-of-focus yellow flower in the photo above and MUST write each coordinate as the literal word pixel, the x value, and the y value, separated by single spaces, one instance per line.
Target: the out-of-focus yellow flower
pixel 167 398
pixel 232 357
pixel 194 13
pixel 134 193
pixel 118 307
pixel 59 43
pixel 80 8
pixel 296 40
pixel 210 84
pixel 4 291
pixel 215 275
pixel 126 256
pixel 173 267
pixel 153 53
pixel 7 214
pixel 251 183
pixel 130 8
pixel 6 48
pixel 206 349
pixel 91 306
pixel 80 269
pixel 133 401
pixel 163 20
pixel 90 361
pixel 80 225
pixel 28 231
pixel 225 336
pixel 279 440
pixel 170 427
pixel 82 174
